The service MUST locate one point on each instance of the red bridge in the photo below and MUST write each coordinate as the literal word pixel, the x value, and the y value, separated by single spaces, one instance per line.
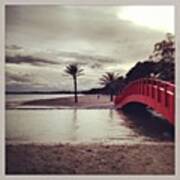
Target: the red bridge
pixel 157 94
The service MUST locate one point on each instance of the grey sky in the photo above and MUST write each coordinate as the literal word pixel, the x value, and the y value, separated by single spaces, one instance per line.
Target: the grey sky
pixel 42 40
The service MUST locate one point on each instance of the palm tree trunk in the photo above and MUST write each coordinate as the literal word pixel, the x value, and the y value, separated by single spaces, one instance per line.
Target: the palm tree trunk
pixel 75 89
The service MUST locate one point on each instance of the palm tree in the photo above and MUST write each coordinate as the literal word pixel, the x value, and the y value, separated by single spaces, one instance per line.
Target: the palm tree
pixel 107 80
pixel 74 71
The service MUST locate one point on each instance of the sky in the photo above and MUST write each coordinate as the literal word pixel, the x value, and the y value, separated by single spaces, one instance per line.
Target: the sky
pixel 41 40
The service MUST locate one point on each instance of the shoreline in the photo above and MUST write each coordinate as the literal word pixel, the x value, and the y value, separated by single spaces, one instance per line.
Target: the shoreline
pixel 85 102
pixel 92 159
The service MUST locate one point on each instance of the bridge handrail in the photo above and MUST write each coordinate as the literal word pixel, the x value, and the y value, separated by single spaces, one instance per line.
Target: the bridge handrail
pixel 169 85
pixel 156 93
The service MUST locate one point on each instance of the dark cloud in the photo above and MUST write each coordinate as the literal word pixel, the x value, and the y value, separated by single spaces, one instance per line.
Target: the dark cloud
pixel 14 47
pixel 60 58
pixel 28 59
pixel 80 56
pixel 15 78
pixel 92 61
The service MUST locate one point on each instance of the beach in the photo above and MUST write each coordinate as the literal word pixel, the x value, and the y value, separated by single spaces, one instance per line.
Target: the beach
pixel 97 159
pixel 156 157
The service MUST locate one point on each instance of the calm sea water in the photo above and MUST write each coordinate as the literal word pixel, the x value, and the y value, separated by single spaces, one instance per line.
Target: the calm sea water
pixel 73 126
pixel 51 126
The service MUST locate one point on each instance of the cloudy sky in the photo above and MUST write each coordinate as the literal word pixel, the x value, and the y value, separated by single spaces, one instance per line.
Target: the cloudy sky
pixel 42 40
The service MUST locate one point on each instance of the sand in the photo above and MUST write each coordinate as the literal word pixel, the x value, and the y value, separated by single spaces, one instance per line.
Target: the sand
pixel 90 159
pixel 86 101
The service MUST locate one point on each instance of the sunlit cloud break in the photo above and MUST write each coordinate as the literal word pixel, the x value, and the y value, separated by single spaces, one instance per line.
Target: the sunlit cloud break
pixel 158 18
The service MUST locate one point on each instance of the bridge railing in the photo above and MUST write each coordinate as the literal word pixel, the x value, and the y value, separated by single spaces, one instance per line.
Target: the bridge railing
pixel 156 93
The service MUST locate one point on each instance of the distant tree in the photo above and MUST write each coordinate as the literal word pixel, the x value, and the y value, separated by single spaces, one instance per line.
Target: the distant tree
pixel 164 49
pixel 119 84
pixel 165 70
pixel 74 71
pixel 164 56
pixel 140 70
pixel 108 80
pixel 162 69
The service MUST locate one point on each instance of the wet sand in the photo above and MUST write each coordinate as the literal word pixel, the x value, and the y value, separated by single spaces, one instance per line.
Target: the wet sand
pixel 86 101
pixel 90 159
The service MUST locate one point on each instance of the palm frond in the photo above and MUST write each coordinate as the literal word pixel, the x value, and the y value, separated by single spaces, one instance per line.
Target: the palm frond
pixel 108 78
pixel 73 70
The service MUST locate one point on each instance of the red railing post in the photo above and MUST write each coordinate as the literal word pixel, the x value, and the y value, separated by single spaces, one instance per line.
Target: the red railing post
pixel 159 91
pixel 149 82
pixel 153 94
pixel 147 88
pixel 172 105
pixel 139 92
pixel 142 86
pixel 165 96
pixel 155 91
